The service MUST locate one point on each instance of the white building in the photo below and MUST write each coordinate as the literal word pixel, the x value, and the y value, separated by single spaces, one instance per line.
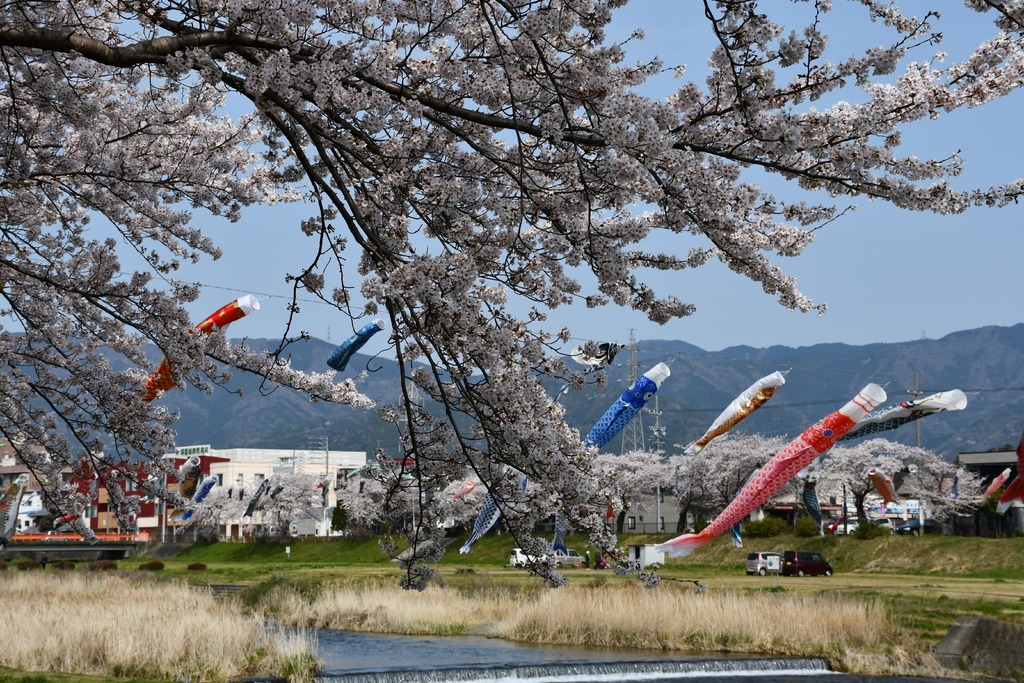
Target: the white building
pixel 28 512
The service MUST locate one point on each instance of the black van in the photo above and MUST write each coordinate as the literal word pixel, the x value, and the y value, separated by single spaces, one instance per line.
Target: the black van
pixel 804 563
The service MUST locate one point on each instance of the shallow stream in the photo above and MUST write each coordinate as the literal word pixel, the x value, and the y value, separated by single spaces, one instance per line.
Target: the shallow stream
pixel 374 658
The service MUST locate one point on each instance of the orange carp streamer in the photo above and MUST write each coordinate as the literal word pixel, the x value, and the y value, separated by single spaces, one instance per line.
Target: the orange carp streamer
pixel 883 485
pixel 163 378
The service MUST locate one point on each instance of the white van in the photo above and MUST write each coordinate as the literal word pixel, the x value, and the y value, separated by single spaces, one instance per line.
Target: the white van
pixel 517 558
pixel 762 563
pixel 569 558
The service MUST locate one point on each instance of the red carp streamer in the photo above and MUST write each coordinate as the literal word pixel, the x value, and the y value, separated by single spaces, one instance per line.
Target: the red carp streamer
pixel 814 441
pixel 163 377
pixel 1015 491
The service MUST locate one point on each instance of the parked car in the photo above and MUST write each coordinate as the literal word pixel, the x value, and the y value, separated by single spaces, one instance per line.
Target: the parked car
pixel 839 528
pixel 913 527
pixel 517 558
pixel 762 563
pixel 570 557
pixel 804 563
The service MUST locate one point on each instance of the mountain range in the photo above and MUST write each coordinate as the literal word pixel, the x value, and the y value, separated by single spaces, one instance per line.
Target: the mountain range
pixel 986 363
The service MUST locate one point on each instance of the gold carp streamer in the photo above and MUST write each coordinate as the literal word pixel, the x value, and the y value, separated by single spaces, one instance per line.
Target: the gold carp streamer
pixel 742 406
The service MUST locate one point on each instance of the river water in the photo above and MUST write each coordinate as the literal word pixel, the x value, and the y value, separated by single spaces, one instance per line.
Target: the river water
pixel 373 658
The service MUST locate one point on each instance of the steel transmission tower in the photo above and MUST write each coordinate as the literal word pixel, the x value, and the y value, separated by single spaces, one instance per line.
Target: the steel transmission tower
pixel 633 432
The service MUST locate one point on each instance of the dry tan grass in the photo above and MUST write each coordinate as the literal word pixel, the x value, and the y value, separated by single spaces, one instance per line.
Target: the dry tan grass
pixel 384 608
pixel 667 617
pixel 125 625
pixel 122 625
pixel 672 619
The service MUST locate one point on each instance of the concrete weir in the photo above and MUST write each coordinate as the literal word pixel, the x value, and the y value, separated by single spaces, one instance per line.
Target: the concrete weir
pixel 983 645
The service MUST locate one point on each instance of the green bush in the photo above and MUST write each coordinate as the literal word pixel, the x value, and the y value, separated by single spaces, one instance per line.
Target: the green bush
pixel 197 566
pixel 63 565
pixel 102 565
pixel 869 530
pixel 22 565
pixel 151 566
pixel 806 527
pixel 766 528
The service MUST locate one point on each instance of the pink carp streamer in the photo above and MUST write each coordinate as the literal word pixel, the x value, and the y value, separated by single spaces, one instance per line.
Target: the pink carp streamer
pixel 799 453
pixel 466 487
pixel 883 485
pixel 741 407
pixel 163 378
pixel 1015 491
pixel 997 482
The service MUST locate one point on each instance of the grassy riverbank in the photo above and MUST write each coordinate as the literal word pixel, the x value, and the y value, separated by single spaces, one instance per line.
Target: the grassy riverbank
pixel 908 590
pixel 891 600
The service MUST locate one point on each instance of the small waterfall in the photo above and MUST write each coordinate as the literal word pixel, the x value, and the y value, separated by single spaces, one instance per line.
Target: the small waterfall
pixel 568 671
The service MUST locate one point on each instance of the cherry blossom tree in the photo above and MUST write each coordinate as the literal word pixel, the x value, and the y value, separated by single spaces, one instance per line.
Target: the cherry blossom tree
pixel 710 479
pixel 463 161
pixel 291 497
pixel 630 477
pixel 849 465
pixel 930 479
pixel 692 487
pixel 917 473
pixel 363 497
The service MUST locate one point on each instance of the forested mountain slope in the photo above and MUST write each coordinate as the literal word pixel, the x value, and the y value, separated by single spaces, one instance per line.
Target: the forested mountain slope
pixel 986 363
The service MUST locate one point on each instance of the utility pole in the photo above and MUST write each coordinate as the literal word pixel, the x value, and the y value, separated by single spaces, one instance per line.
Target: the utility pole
pixel 658 432
pixel 633 433
pixel 917 423
pixel 326 441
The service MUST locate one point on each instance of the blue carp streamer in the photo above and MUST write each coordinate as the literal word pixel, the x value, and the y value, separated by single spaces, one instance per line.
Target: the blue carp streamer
pixel 340 357
pixel 561 529
pixel 627 406
pixel 488 515
pixel 201 493
pixel 811 501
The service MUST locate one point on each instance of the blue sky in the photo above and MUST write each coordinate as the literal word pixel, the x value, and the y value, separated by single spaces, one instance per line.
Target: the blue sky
pixel 887 275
